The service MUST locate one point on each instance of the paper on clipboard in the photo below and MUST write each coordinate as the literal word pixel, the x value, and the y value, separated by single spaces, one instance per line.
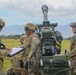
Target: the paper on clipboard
pixel 16 50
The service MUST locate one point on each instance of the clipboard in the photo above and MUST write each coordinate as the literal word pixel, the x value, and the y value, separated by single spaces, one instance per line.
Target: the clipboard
pixel 16 50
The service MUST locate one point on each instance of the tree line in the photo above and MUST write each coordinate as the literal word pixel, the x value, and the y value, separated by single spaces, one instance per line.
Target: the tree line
pixel 18 36
pixel 11 36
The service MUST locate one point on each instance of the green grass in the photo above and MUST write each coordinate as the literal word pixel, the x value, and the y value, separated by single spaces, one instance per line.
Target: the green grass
pixel 65 45
pixel 10 43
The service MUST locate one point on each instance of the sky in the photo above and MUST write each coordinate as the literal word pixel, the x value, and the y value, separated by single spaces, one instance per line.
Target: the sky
pixel 20 12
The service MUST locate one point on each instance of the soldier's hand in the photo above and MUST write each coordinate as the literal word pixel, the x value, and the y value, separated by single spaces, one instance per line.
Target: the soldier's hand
pixel 9 49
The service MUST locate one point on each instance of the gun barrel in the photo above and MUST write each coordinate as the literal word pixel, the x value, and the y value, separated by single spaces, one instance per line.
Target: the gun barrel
pixel 45 11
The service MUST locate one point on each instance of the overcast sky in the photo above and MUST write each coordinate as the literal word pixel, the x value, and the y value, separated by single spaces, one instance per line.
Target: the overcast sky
pixel 23 11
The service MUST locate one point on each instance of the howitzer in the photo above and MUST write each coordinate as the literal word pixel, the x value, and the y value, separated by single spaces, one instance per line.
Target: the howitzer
pixel 48 36
pixel 50 61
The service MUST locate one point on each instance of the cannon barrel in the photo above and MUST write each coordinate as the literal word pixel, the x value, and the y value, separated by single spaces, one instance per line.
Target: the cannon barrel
pixel 45 11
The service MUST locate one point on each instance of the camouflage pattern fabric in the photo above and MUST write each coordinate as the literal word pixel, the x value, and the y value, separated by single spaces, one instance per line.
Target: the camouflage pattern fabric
pixel 30 43
pixel 15 63
pixel 3 53
pixel 15 59
pixel 73 53
pixel 1 65
pixel 73 38
pixel 22 38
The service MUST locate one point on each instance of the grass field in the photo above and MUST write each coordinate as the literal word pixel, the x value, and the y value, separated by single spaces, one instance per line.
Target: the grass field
pixel 10 43
pixel 65 45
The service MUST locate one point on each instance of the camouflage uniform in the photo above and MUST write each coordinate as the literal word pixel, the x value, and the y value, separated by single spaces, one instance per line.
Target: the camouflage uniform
pixel 73 52
pixel 15 59
pixel 22 38
pixel 3 53
pixel 29 43
pixel 73 49
pixel 16 69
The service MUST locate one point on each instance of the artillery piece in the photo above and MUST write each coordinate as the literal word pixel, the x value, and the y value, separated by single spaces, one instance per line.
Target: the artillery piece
pixel 49 59
pixel 50 39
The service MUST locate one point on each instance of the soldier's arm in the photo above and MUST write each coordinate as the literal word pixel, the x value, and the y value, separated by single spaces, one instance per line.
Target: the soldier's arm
pixel 72 45
pixel 34 44
pixel 34 41
pixel 4 52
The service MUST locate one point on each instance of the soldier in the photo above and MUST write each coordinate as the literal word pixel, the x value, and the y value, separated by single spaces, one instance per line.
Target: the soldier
pixel 5 52
pixel 29 43
pixel 16 69
pixel 73 47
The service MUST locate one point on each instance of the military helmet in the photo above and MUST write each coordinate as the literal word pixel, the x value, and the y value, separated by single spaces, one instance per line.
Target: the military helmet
pixel 2 23
pixel 31 26
pixel 73 25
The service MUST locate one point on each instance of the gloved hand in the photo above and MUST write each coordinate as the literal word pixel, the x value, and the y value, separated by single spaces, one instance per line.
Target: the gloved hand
pixel 21 63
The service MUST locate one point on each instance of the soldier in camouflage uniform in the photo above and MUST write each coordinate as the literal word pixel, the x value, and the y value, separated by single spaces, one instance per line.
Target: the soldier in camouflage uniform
pixel 5 52
pixel 16 69
pixel 73 47
pixel 29 43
